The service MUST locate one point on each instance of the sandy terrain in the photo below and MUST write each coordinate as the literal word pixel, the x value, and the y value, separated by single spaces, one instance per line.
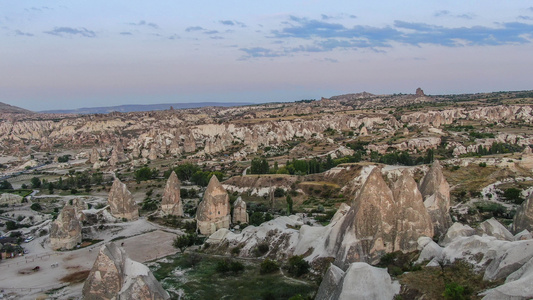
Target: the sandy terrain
pixel 140 245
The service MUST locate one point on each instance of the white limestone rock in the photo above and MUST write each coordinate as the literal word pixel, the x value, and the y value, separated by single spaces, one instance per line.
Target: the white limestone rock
pixel 455 231
pixel 363 282
pixel 494 228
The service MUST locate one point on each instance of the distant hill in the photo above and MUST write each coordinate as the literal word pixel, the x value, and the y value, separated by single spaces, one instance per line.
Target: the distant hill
pixel 147 107
pixel 6 108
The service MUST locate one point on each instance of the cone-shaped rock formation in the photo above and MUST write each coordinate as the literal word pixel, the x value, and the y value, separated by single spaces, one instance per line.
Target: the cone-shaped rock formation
pixel 171 203
pixel 121 202
pixel 115 276
pixel 214 210
pixel 65 231
pixel 524 216
pixel 436 193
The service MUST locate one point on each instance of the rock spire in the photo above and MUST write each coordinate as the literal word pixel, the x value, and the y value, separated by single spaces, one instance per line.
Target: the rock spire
pixel 65 231
pixel 214 210
pixel 115 276
pixel 121 202
pixel 171 203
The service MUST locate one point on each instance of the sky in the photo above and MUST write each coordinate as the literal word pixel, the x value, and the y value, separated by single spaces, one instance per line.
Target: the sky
pixel 73 54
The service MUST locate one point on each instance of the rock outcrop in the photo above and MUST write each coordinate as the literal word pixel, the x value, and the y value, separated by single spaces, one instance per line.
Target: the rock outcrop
pixel 382 221
pixel 240 216
pixel 436 193
pixel 121 202
pixel 367 230
pixel 171 203
pixel 214 210
pixel 115 276
pixel 10 199
pixel 412 218
pixel 65 231
pixel 524 216
pixel 360 281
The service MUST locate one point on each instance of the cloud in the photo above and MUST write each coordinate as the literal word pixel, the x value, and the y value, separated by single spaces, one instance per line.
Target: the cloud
pixel 441 13
pixel 531 8
pixel 68 31
pixel 194 28
pixel 232 23
pixel 174 37
pixel 144 23
pixel 211 32
pixel 260 52
pixel 20 33
pixel 38 9
pixel 227 22
pixel 331 60
pixel 216 37
pixel 126 33
pixel 323 36
pixel 527 18
pixel 447 13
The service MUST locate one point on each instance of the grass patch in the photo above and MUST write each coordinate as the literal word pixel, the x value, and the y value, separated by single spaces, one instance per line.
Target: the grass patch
pixel 198 277
pixel 431 282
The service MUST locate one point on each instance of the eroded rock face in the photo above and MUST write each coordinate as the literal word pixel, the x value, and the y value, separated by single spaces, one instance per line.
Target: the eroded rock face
pixel 361 281
pixel 115 276
pixel 524 216
pixel 413 220
pixel 65 231
pixel 367 230
pixel 382 220
pixel 171 203
pixel 436 193
pixel 240 216
pixel 121 202
pixel 10 199
pixel 214 210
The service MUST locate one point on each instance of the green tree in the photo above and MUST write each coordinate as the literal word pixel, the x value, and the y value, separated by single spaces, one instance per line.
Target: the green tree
pixel 182 242
pixel 289 204
pixel 5 185
pixel 298 266
pixel 35 182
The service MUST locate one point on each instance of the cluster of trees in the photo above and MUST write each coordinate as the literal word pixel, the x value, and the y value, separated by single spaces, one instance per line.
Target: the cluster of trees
pixel 498 148
pixel 193 173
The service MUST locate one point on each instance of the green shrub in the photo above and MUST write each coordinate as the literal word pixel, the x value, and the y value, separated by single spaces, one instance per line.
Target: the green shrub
pixel 268 266
pixel 36 207
pixel 454 291
pixel 298 266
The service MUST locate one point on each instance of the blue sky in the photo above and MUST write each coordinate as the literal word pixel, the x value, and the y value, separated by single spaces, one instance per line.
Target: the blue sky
pixel 71 54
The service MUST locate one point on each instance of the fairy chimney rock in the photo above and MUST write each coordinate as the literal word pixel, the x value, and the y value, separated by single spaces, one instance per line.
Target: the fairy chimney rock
pixel 524 216
pixel 214 210
pixel 65 231
pixel 367 230
pixel 171 203
pixel 121 202
pixel 115 276
pixel 240 216
pixel 420 92
pixel 436 193
pixel 95 156
pixel 412 218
